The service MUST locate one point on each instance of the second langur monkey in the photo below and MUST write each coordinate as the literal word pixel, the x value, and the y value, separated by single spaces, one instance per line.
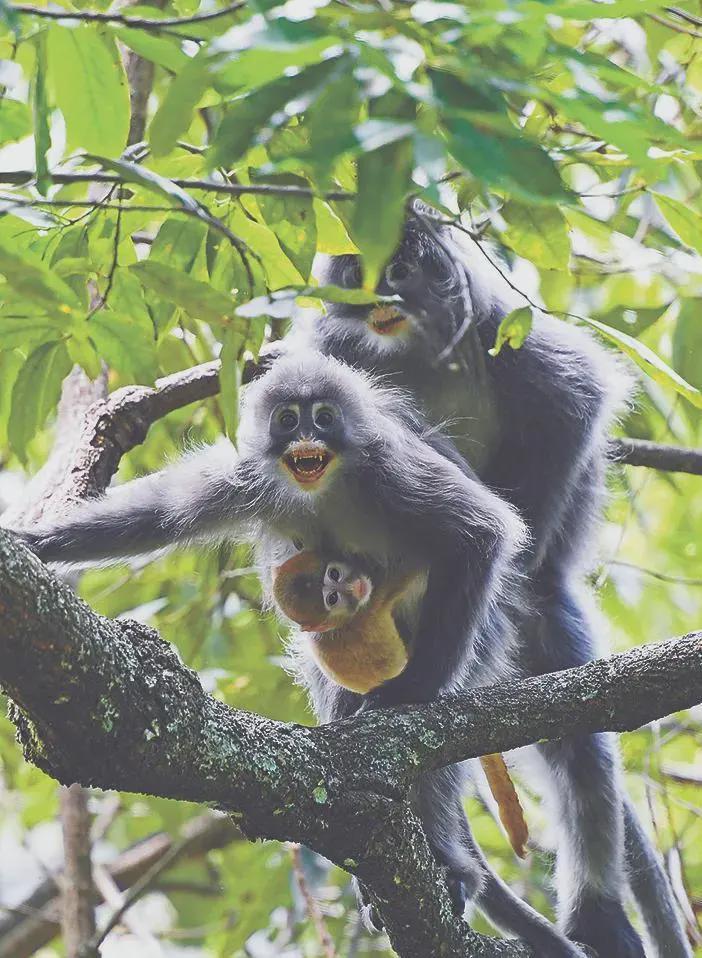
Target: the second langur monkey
pixel 352 634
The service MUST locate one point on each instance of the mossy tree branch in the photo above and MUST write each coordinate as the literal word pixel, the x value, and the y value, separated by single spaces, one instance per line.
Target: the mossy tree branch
pixel 108 703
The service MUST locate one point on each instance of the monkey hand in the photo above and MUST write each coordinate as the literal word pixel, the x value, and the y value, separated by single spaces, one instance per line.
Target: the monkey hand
pixel 394 692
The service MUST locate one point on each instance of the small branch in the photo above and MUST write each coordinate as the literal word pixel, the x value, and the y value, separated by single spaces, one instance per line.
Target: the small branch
pixel 138 23
pixel 314 912
pixel 676 27
pixel 661 576
pixel 77 888
pixel 34 923
pixel 21 177
pixel 641 452
pixel 684 15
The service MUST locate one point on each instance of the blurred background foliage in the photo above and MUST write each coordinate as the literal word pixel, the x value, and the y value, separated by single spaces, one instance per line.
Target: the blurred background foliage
pixel 565 133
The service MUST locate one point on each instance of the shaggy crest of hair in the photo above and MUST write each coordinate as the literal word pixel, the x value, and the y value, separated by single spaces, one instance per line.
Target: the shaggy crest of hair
pixel 307 374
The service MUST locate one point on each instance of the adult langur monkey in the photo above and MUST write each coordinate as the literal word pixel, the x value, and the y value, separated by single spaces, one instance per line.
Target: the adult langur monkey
pixel 332 462
pixel 533 424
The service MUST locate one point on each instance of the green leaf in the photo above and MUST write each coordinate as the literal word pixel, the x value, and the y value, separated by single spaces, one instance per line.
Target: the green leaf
pixel 512 164
pixel 540 234
pixel 91 88
pixel 683 219
pixel 178 242
pixel 28 275
pixel 687 342
pixel 27 331
pixel 282 303
pixel 647 360
pixel 161 50
pixel 153 182
pixel 332 237
pixel 11 361
pixel 174 116
pixel 15 120
pixel 292 220
pixel 264 243
pixel 230 379
pixel 126 343
pixel 513 329
pixel 198 299
pixel 247 116
pixel 36 392
pixel 40 107
pixel 384 181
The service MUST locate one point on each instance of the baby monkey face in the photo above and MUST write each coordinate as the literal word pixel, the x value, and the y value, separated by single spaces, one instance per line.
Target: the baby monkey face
pixel 345 590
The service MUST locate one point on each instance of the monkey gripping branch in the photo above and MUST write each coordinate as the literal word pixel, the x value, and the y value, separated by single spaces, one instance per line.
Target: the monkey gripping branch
pixel 108 703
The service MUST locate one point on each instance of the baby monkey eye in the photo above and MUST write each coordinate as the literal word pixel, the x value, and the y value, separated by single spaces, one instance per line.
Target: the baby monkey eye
pixel 332 599
pixel 334 573
pixel 288 419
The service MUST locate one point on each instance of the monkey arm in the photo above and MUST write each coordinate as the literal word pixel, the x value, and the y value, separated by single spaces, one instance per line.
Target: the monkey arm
pixel 206 494
pixel 470 538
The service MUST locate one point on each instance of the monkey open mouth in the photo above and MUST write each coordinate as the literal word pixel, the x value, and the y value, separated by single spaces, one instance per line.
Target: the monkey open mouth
pixel 307 461
pixel 386 319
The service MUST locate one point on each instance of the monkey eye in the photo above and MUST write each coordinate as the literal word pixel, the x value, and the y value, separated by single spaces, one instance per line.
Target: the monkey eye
pixel 334 573
pixel 397 273
pixel 324 416
pixel 332 599
pixel 288 419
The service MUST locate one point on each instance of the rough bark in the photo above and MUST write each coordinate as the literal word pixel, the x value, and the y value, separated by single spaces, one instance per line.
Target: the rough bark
pixel 108 703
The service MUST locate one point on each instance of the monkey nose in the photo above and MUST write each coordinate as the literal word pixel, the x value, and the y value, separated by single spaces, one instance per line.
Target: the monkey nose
pixel 359 589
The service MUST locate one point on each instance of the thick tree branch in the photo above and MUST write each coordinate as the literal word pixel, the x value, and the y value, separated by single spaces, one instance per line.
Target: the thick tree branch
pixel 108 703
pixel 20 177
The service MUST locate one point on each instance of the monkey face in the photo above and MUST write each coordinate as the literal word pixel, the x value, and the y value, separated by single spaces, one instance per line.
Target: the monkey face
pixel 308 418
pixel 345 590
pixel 308 434
pixel 430 304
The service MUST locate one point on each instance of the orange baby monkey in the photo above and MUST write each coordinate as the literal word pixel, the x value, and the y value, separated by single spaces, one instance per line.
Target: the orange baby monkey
pixel 354 639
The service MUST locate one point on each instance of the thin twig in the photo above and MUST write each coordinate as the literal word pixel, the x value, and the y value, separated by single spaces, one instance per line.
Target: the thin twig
pixel 312 908
pixel 675 26
pixel 663 576
pixel 139 23
pixel 21 177
pixel 684 15
pixel 199 213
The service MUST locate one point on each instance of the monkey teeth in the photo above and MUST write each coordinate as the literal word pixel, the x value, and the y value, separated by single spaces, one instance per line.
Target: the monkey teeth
pixel 386 319
pixel 307 464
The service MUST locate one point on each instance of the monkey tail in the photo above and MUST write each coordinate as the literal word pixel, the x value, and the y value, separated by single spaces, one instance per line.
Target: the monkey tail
pixel 508 804
pixel 652 891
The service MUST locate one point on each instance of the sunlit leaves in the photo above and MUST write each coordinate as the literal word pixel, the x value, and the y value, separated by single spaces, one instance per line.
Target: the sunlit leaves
pixel 512 164
pixel 686 222
pixel 90 88
pixel 29 276
pixel 15 120
pixel 649 362
pixel 540 234
pixel 292 220
pixel 40 109
pixel 36 392
pixel 195 297
pixel 249 116
pixel 513 329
